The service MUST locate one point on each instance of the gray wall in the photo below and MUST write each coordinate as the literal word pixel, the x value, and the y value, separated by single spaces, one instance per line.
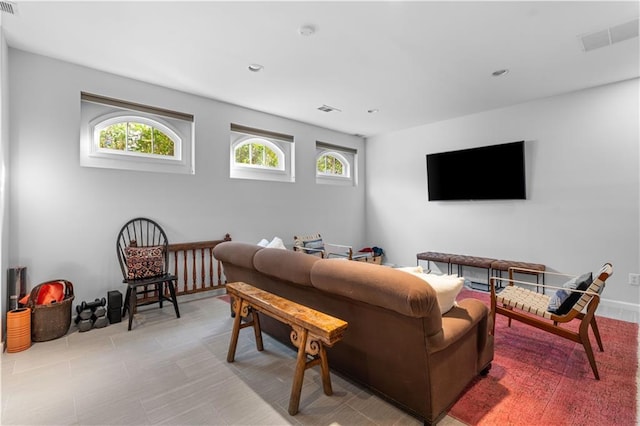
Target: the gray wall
pixel 65 218
pixel 582 207
pixel 4 174
pixel 582 176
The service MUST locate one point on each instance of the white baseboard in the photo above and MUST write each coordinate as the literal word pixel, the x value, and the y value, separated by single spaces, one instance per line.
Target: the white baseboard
pixel 624 311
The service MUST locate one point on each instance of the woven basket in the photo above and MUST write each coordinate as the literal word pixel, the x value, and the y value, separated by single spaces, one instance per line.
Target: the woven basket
pixel 50 321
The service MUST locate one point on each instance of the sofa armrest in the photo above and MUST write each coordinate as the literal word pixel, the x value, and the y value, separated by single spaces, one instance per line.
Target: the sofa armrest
pixel 236 253
pixel 458 321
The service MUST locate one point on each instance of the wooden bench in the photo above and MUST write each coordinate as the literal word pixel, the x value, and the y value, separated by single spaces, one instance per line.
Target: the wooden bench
pixel 518 267
pixel 493 266
pixel 434 256
pixel 311 331
pixel 472 261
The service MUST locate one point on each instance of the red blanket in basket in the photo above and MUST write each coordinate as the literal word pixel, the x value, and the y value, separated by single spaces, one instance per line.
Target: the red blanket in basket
pixel 48 293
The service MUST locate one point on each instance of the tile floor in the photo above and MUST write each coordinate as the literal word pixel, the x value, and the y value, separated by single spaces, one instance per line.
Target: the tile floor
pixel 174 372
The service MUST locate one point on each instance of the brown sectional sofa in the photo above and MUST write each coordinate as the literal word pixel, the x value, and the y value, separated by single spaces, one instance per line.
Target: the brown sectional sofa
pixel 397 343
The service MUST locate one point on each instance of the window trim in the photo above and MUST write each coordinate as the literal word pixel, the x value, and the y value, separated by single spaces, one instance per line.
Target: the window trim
pixel 259 140
pixel 96 110
pixel 346 165
pixel 284 145
pixel 101 123
pixel 350 157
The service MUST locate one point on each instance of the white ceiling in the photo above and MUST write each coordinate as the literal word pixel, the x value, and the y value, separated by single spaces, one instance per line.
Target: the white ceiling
pixel 417 62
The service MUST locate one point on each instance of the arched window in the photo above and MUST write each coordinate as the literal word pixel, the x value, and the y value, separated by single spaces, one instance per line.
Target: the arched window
pixel 258 152
pixel 261 154
pixel 118 134
pixel 336 165
pixel 332 164
pixel 135 135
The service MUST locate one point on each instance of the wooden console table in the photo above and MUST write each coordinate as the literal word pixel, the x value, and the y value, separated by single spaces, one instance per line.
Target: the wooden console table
pixel 311 331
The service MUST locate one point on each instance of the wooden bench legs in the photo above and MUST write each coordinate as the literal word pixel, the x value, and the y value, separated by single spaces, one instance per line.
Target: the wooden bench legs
pixel 307 344
pixel 242 310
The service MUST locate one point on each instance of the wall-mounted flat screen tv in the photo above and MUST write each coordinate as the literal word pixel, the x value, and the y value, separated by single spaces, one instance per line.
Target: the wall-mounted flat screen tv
pixel 495 172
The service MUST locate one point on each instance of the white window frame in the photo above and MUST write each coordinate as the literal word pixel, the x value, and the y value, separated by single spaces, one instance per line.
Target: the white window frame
pixel 103 122
pixel 349 158
pixel 98 112
pixel 282 144
pixel 346 166
pixel 259 140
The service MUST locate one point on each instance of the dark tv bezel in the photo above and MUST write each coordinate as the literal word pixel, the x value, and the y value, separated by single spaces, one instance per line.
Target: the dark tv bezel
pixel 515 163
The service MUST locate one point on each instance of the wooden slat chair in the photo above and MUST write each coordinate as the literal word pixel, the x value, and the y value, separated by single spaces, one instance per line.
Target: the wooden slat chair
pixel 530 307
pixel 142 248
pixel 315 245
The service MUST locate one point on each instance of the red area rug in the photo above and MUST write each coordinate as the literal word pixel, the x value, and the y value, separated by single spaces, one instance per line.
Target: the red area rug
pixel 540 379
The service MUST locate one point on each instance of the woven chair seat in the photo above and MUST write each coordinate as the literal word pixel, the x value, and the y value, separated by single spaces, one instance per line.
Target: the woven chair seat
pixel 525 300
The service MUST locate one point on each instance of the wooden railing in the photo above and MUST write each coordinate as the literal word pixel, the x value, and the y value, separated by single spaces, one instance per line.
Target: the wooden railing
pixel 196 267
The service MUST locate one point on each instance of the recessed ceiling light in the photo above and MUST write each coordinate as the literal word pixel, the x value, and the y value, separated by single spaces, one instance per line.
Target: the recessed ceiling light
pixel 373 110
pixel 255 67
pixel 307 30
pixel 499 73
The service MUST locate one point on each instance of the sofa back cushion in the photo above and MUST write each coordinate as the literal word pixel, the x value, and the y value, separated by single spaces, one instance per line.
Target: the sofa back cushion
pixel 286 265
pixel 376 285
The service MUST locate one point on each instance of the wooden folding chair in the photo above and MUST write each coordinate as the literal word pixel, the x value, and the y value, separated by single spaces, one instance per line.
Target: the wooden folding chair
pixel 315 245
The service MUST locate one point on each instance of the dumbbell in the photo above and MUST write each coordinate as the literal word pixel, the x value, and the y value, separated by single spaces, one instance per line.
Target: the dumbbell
pixel 93 305
pixel 100 317
pixel 84 324
pixel 83 314
pixel 101 321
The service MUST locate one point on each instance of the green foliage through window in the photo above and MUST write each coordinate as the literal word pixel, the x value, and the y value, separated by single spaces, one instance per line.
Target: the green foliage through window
pixel 256 154
pixel 330 165
pixel 132 136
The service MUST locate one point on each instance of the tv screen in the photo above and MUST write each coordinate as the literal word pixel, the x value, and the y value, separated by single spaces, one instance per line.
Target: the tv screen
pixel 494 172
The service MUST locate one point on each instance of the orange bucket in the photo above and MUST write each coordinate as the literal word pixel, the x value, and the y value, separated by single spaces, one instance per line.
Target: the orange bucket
pixel 18 330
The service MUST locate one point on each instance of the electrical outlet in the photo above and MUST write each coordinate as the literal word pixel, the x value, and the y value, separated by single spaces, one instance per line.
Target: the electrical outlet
pixel 634 279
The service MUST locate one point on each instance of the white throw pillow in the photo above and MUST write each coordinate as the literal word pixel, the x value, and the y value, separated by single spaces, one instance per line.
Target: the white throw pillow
pixel 411 269
pixel 277 243
pixel 263 242
pixel 447 287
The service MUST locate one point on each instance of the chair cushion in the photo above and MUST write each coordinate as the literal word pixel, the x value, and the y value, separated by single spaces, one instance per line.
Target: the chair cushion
pixel 563 300
pixel 144 262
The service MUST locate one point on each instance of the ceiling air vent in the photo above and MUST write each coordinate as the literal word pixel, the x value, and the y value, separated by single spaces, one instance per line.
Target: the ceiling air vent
pixel 8 7
pixel 610 35
pixel 327 108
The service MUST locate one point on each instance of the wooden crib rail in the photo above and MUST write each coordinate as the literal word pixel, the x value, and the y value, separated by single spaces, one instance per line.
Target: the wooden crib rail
pixel 196 267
